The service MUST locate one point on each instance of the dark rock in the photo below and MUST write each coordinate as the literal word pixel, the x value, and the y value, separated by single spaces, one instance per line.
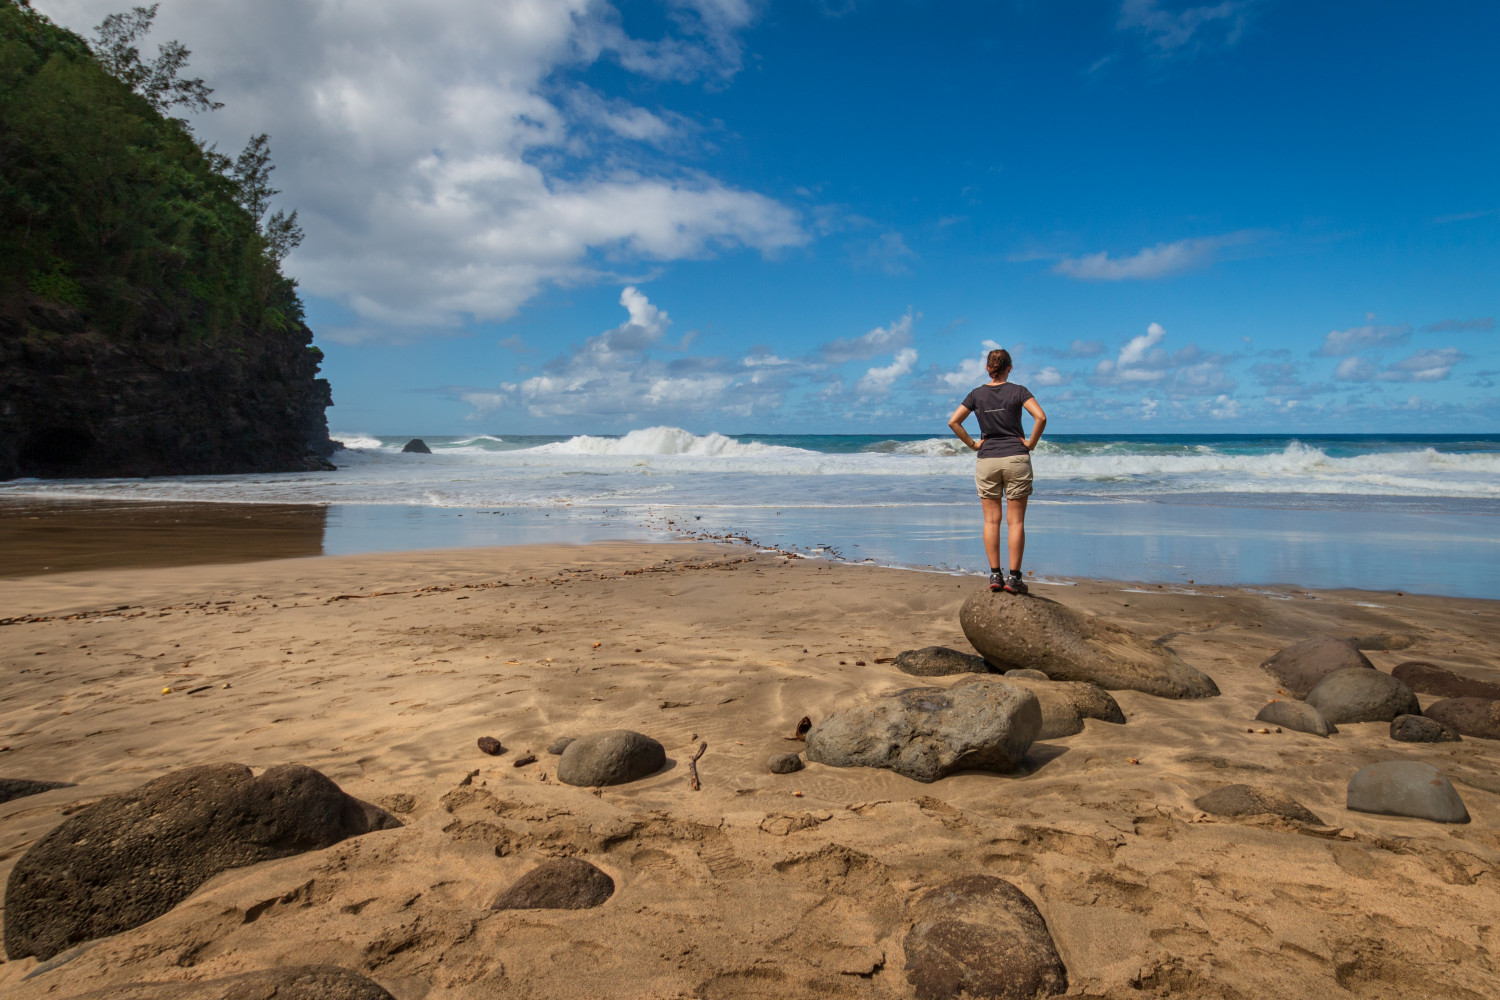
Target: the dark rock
pixel 1299 668
pixel 416 446
pixel 1417 729
pixel 1471 716
pixel 1025 673
pixel 1357 694
pixel 981 937
pixel 940 661
pixel 491 746
pixel 559 884
pixel 612 757
pixel 1297 715
pixel 1430 678
pixel 129 858
pixel 784 763
pixel 17 788
pixel 1035 632
pixel 523 760
pixel 980 723
pixel 558 746
pixel 1406 788
pixel 295 982
pixel 1246 800
pixel 1388 642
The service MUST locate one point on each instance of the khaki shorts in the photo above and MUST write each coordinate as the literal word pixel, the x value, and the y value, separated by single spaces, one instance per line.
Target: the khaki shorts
pixel 1008 476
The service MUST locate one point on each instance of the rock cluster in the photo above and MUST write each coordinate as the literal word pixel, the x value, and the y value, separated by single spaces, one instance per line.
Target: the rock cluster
pixel 1037 633
pixel 129 858
pixel 1299 668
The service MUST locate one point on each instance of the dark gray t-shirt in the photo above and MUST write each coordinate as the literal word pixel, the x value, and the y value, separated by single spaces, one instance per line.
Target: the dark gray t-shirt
pixel 998 408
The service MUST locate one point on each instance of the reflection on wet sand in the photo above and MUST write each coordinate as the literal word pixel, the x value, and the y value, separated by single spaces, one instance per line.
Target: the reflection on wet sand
pixel 59 536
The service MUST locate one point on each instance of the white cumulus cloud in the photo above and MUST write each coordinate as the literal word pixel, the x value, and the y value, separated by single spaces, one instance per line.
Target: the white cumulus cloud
pixel 879 380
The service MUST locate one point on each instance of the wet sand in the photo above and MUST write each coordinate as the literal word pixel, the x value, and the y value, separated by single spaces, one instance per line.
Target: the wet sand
pixel 382 671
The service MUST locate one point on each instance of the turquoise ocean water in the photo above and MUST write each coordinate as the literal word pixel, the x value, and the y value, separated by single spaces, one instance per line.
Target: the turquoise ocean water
pixel 1381 512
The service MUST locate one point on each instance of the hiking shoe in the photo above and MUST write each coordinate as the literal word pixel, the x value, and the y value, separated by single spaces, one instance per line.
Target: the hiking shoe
pixel 1015 585
pixel 997 581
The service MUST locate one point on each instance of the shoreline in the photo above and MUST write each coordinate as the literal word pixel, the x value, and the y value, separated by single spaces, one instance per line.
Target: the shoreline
pixel 381 670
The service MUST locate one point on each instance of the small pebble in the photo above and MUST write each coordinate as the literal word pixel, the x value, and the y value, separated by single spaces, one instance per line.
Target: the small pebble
pixel 797 795
pixel 523 760
pixel 491 746
pixel 166 690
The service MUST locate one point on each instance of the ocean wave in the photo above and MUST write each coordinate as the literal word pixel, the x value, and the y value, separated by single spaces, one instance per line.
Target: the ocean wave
pixel 358 442
pixel 933 447
pixel 666 441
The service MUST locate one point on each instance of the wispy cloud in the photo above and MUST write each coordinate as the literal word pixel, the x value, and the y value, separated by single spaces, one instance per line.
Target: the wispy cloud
pixel 1338 343
pixel 1160 261
pixel 1177 31
pixel 1481 324
pixel 1423 366
pixel 881 340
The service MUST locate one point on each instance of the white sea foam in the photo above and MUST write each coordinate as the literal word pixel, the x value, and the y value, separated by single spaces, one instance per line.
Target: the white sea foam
pixel 666 441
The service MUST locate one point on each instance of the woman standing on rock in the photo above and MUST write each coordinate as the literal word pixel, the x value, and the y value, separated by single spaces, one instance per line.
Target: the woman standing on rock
pixel 1003 467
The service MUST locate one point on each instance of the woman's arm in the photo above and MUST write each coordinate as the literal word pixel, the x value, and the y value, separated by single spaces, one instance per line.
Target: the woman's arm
pixel 957 423
pixel 1038 422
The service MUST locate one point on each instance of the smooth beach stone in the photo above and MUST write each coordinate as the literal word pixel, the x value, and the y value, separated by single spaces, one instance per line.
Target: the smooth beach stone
pixel 1406 788
pixel 1469 716
pixel 559 884
pixel 1297 715
pixel 784 763
pixel 292 982
pixel 1065 704
pixel 1429 678
pixel 980 723
pixel 416 446
pixel 129 858
pixel 1299 668
pixel 940 661
pixel 1026 673
pixel 612 757
pixel 558 746
pixel 1248 800
pixel 1386 642
pixel 979 936
pixel 1011 631
pixel 18 788
pixel 1419 729
pixel 1356 694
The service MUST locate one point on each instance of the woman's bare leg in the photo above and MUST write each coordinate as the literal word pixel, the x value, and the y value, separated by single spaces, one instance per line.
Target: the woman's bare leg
pixel 1016 522
pixel 992 515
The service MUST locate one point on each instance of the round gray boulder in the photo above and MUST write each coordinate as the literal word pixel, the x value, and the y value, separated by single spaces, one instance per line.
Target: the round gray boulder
pixel 784 763
pixel 1299 668
pixel 940 661
pixel 612 757
pixel 1026 673
pixel 1297 715
pixel 981 724
pixel 1034 632
pixel 1356 694
pixel 1418 729
pixel 294 982
pixel 129 858
pixel 981 937
pixel 1471 716
pixel 1406 788
pixel 1065 704
pixel 558 884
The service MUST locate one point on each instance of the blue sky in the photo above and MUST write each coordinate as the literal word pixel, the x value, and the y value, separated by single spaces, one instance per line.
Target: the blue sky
pixel 560 216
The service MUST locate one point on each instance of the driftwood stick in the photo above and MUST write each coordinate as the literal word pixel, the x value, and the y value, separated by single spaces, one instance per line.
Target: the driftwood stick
pixel 693 766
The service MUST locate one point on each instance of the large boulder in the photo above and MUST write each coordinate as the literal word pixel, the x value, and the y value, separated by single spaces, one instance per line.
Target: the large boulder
pixel 981 723
pixel 1429 678
pixel 416 446
pixel 940 661
pixel 1469 716
pixel 293 982
pixel 1012 632
pixel 558 884
pixel 1065 704
pixel 129 858
pixel 612 757
pixel 1296 715
pixel 1356 694
pixel 1406 788
pixel 1299 668
pixel 979 936
pixel 1247 800
pixel 16 788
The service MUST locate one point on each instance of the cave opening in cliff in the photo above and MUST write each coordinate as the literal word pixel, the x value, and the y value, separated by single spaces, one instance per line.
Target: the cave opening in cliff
pixel 55 451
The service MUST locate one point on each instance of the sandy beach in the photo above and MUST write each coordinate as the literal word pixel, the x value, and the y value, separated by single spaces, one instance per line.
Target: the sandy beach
pixel 383 670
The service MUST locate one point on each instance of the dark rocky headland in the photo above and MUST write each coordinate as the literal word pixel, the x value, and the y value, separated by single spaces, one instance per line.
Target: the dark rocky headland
pixel 145 325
